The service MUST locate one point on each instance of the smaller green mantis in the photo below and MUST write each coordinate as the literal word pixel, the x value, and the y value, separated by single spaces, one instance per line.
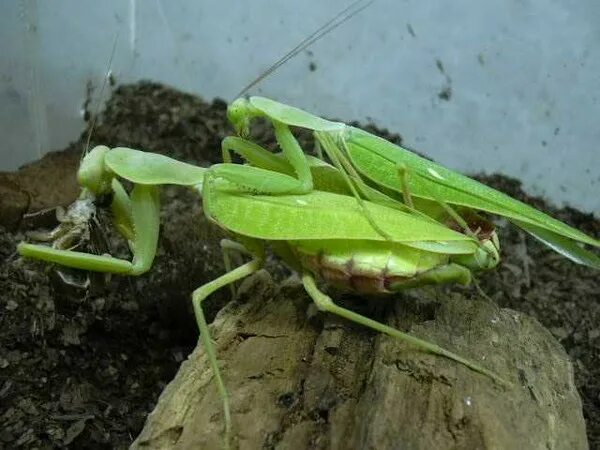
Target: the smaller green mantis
pixel 316 232
pixel 367 161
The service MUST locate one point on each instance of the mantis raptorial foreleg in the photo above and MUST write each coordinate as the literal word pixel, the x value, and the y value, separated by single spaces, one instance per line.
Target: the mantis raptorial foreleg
pixel 253 153
pixel 325 303
pixel 137 218
pixel 263 179
pixel 198 296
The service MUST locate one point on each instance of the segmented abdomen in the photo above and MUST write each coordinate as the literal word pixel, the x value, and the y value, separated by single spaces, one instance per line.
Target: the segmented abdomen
pixel 364 267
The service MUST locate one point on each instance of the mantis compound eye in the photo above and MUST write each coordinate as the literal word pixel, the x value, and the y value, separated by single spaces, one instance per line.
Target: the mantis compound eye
pixel 239 114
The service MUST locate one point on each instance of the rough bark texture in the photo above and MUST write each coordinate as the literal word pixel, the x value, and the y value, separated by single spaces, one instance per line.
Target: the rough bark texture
pixel 298 383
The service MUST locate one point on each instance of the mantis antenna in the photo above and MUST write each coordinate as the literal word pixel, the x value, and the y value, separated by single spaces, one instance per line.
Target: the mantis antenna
pixel 340 18
pixel 101 94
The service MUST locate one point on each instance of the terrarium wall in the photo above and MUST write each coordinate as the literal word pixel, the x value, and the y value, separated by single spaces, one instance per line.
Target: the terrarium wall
pixel 497 86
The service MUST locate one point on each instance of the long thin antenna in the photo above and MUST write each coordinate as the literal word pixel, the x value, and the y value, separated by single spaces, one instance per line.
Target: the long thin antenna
pixel 346 14
pixel 100 96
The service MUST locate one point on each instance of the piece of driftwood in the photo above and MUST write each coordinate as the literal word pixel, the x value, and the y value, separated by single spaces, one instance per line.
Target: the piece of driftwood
pixel 298 383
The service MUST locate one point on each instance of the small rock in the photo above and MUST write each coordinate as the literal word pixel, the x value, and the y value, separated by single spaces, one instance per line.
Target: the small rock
pixel 73 431
pixel 11 305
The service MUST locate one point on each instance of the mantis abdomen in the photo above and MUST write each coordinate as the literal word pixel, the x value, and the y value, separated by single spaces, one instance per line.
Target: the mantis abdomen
pixel 374 268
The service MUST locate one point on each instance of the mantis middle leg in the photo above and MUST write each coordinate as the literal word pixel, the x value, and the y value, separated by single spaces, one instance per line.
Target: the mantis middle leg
pixel 198 296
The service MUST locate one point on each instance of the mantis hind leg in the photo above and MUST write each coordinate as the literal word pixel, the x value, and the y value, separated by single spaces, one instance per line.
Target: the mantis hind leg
pixel 325 303
pixel 198 296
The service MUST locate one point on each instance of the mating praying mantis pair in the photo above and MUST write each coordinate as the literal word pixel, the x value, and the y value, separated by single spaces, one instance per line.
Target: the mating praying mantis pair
pixel 374 219
pixel 377 220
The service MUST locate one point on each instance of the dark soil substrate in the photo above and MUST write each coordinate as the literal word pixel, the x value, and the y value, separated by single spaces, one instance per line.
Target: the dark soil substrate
pixel 81 368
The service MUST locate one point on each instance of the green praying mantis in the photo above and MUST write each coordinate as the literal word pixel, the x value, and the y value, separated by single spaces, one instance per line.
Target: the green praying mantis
pixel 378 220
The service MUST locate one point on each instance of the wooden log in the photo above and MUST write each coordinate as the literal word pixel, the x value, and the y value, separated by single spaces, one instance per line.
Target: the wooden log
pixel 300 382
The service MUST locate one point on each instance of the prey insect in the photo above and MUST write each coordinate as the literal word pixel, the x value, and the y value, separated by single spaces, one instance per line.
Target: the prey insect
pixel 78 228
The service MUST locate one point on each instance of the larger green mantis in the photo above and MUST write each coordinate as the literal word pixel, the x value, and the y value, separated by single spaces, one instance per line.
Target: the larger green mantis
pixel 324 221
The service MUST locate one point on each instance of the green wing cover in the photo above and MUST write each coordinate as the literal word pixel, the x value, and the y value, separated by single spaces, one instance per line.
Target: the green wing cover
pixel 377 159
pixel 323 215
